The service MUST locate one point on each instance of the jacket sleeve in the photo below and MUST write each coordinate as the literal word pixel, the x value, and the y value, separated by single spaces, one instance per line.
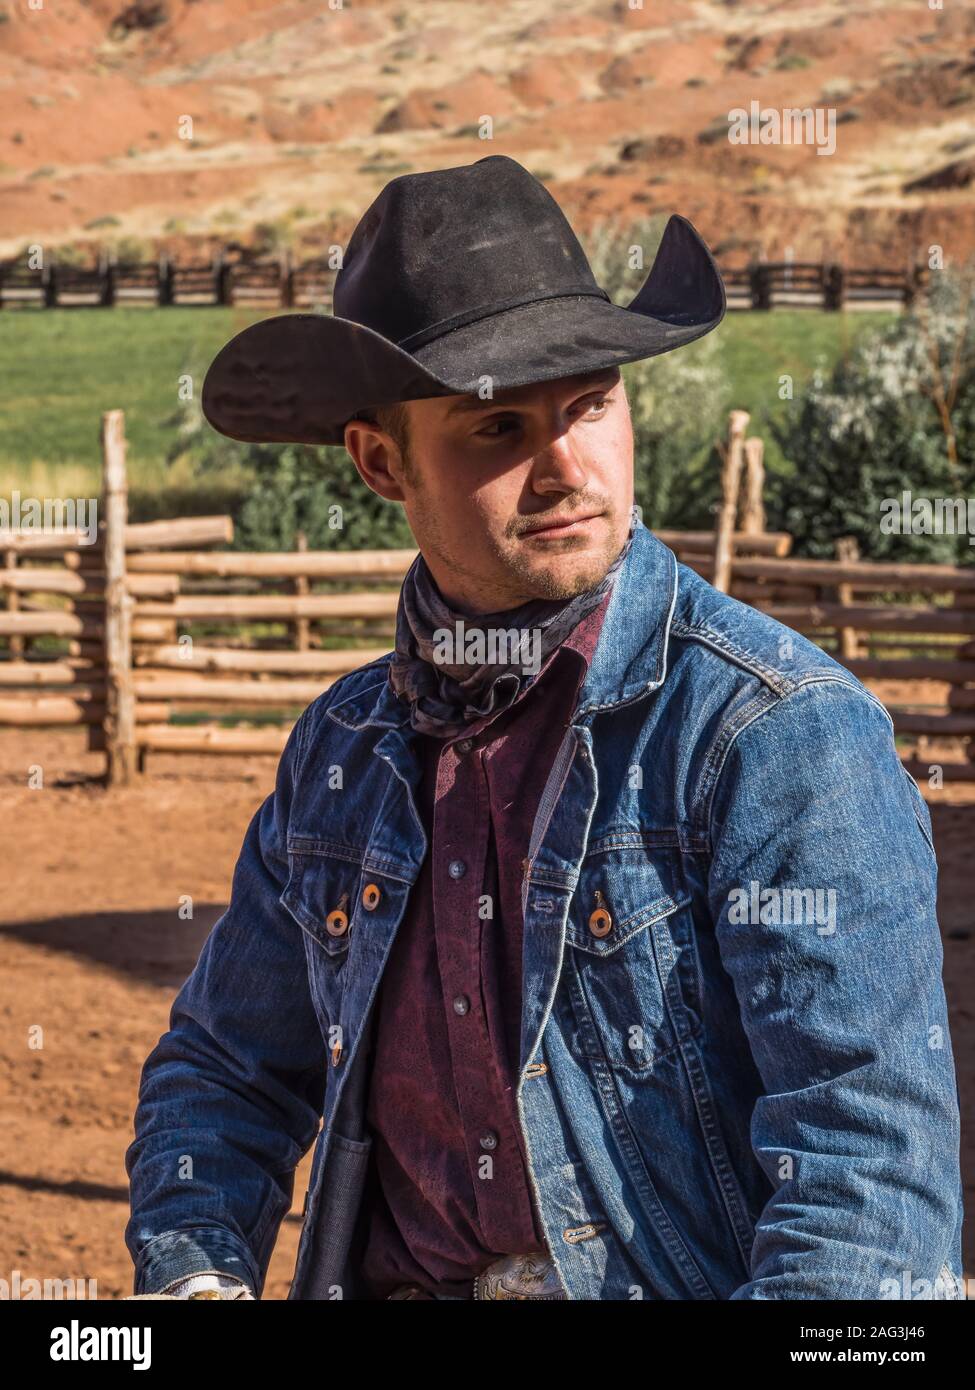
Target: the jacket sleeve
pixel 231 1096
pixel 838 979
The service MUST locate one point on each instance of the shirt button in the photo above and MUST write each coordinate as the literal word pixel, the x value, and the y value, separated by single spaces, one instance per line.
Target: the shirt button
pixel 465 745
pixel 489 1140
pixel 457 868
pixel 461 1004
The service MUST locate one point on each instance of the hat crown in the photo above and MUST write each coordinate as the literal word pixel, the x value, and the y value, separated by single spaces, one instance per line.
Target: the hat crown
pixel 452 243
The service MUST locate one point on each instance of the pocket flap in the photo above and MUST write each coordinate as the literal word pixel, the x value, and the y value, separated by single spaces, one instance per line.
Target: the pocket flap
pixel 634 890
pixel 318 885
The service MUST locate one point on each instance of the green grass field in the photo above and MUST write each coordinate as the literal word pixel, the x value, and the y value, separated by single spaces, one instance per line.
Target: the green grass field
pixel 62 367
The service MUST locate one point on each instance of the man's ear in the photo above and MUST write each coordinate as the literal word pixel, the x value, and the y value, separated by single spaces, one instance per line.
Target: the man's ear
pixel 372 451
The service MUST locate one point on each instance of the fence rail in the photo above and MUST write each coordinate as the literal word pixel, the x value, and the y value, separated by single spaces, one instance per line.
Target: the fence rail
pixel 282 283
pixel 146 630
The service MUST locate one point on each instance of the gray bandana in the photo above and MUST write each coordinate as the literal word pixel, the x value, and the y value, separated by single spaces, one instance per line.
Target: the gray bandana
pixel 458 671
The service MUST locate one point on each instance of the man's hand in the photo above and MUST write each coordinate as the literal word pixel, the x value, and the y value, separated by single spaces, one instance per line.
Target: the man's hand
pixel 219 1286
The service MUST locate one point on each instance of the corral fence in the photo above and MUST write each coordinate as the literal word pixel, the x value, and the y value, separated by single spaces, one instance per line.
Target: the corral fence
pixel 281 282
pixel 830 285
pixel 157 638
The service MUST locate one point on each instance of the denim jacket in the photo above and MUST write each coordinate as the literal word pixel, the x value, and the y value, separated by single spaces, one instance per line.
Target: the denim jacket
pixel 744 1088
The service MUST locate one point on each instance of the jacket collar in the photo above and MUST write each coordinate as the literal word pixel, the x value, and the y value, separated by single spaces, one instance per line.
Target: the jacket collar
pixel 630 659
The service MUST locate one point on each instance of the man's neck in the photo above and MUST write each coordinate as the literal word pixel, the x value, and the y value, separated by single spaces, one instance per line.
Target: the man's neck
pixel 474 606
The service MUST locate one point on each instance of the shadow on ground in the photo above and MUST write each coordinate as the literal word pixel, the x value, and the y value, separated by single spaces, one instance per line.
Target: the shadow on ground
pixel 157 948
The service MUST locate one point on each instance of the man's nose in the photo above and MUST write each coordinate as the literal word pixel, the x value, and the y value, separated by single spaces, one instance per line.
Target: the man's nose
pixel 561 462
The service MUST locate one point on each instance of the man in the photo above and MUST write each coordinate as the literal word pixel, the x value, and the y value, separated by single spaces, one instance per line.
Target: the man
pixel 595 925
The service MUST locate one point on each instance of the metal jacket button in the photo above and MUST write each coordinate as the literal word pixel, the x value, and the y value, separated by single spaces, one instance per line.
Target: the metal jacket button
pixel 600 921
pixel 370 897
pixel 574 1234
pixel 337 921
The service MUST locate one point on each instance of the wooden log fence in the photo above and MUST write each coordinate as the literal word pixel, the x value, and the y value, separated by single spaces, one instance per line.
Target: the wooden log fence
pixel 279 282
pixel 156 638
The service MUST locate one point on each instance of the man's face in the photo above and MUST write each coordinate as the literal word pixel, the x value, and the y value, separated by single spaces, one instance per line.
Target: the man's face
pixel 482 476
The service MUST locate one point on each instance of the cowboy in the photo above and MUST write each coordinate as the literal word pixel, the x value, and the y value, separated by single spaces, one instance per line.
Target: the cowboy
pixel 485 946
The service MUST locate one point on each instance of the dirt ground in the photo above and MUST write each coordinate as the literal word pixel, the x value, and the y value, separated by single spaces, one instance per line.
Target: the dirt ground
pixel 93 950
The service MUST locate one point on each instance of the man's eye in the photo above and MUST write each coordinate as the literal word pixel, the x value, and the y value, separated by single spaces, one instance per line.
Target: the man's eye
pixel 498 426
pixel 504 424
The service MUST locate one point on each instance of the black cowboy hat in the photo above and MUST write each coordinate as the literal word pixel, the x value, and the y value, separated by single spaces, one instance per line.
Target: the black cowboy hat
pixel 454 281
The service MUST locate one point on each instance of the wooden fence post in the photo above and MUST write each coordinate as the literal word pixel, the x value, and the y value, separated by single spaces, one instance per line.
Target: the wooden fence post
pixel 760 285
pixel 913 284
pixel 834 286
pixel 165 283
pixel 106 274
pixel 847 551
pixel 753 506
pixel 15 643
pixel 302 590
pixel 119 686
pixel 732 457
pixel 223 281
pixel 287 280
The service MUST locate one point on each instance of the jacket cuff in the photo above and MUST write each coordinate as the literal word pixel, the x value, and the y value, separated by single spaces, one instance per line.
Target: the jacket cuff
pixel 174 1255
pixel 219 1283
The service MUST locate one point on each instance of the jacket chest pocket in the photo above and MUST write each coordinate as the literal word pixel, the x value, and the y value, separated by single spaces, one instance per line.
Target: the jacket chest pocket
pixel 327 897
pixel 635 979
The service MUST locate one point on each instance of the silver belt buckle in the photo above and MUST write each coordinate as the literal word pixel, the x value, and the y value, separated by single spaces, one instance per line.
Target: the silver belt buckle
pixel 532 1276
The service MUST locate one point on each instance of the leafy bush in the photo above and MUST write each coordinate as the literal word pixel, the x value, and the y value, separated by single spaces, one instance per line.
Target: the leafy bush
pixel 300 487
pixel 897 416
pixel 287 488
pixel 678 406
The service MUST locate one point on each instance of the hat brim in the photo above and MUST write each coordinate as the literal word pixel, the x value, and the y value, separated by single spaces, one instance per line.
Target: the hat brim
pixel 298 378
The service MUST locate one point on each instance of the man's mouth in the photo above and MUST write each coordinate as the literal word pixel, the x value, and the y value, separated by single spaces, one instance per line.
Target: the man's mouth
pixel 565 527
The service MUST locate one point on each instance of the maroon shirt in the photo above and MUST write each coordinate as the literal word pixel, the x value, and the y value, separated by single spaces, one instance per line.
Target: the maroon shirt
pixel 449 1189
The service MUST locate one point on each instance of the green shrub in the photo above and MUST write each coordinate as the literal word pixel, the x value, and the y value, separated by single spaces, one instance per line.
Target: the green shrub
pixel 897 416
pixel 678 405
pixel 288 488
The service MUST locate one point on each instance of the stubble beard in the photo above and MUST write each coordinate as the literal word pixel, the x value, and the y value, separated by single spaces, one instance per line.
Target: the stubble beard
pixel 527 581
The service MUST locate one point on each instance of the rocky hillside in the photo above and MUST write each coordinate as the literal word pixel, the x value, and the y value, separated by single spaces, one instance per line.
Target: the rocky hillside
pixel 299 112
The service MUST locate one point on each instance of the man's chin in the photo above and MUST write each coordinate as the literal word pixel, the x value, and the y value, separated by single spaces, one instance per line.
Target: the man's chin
pixel 563 573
